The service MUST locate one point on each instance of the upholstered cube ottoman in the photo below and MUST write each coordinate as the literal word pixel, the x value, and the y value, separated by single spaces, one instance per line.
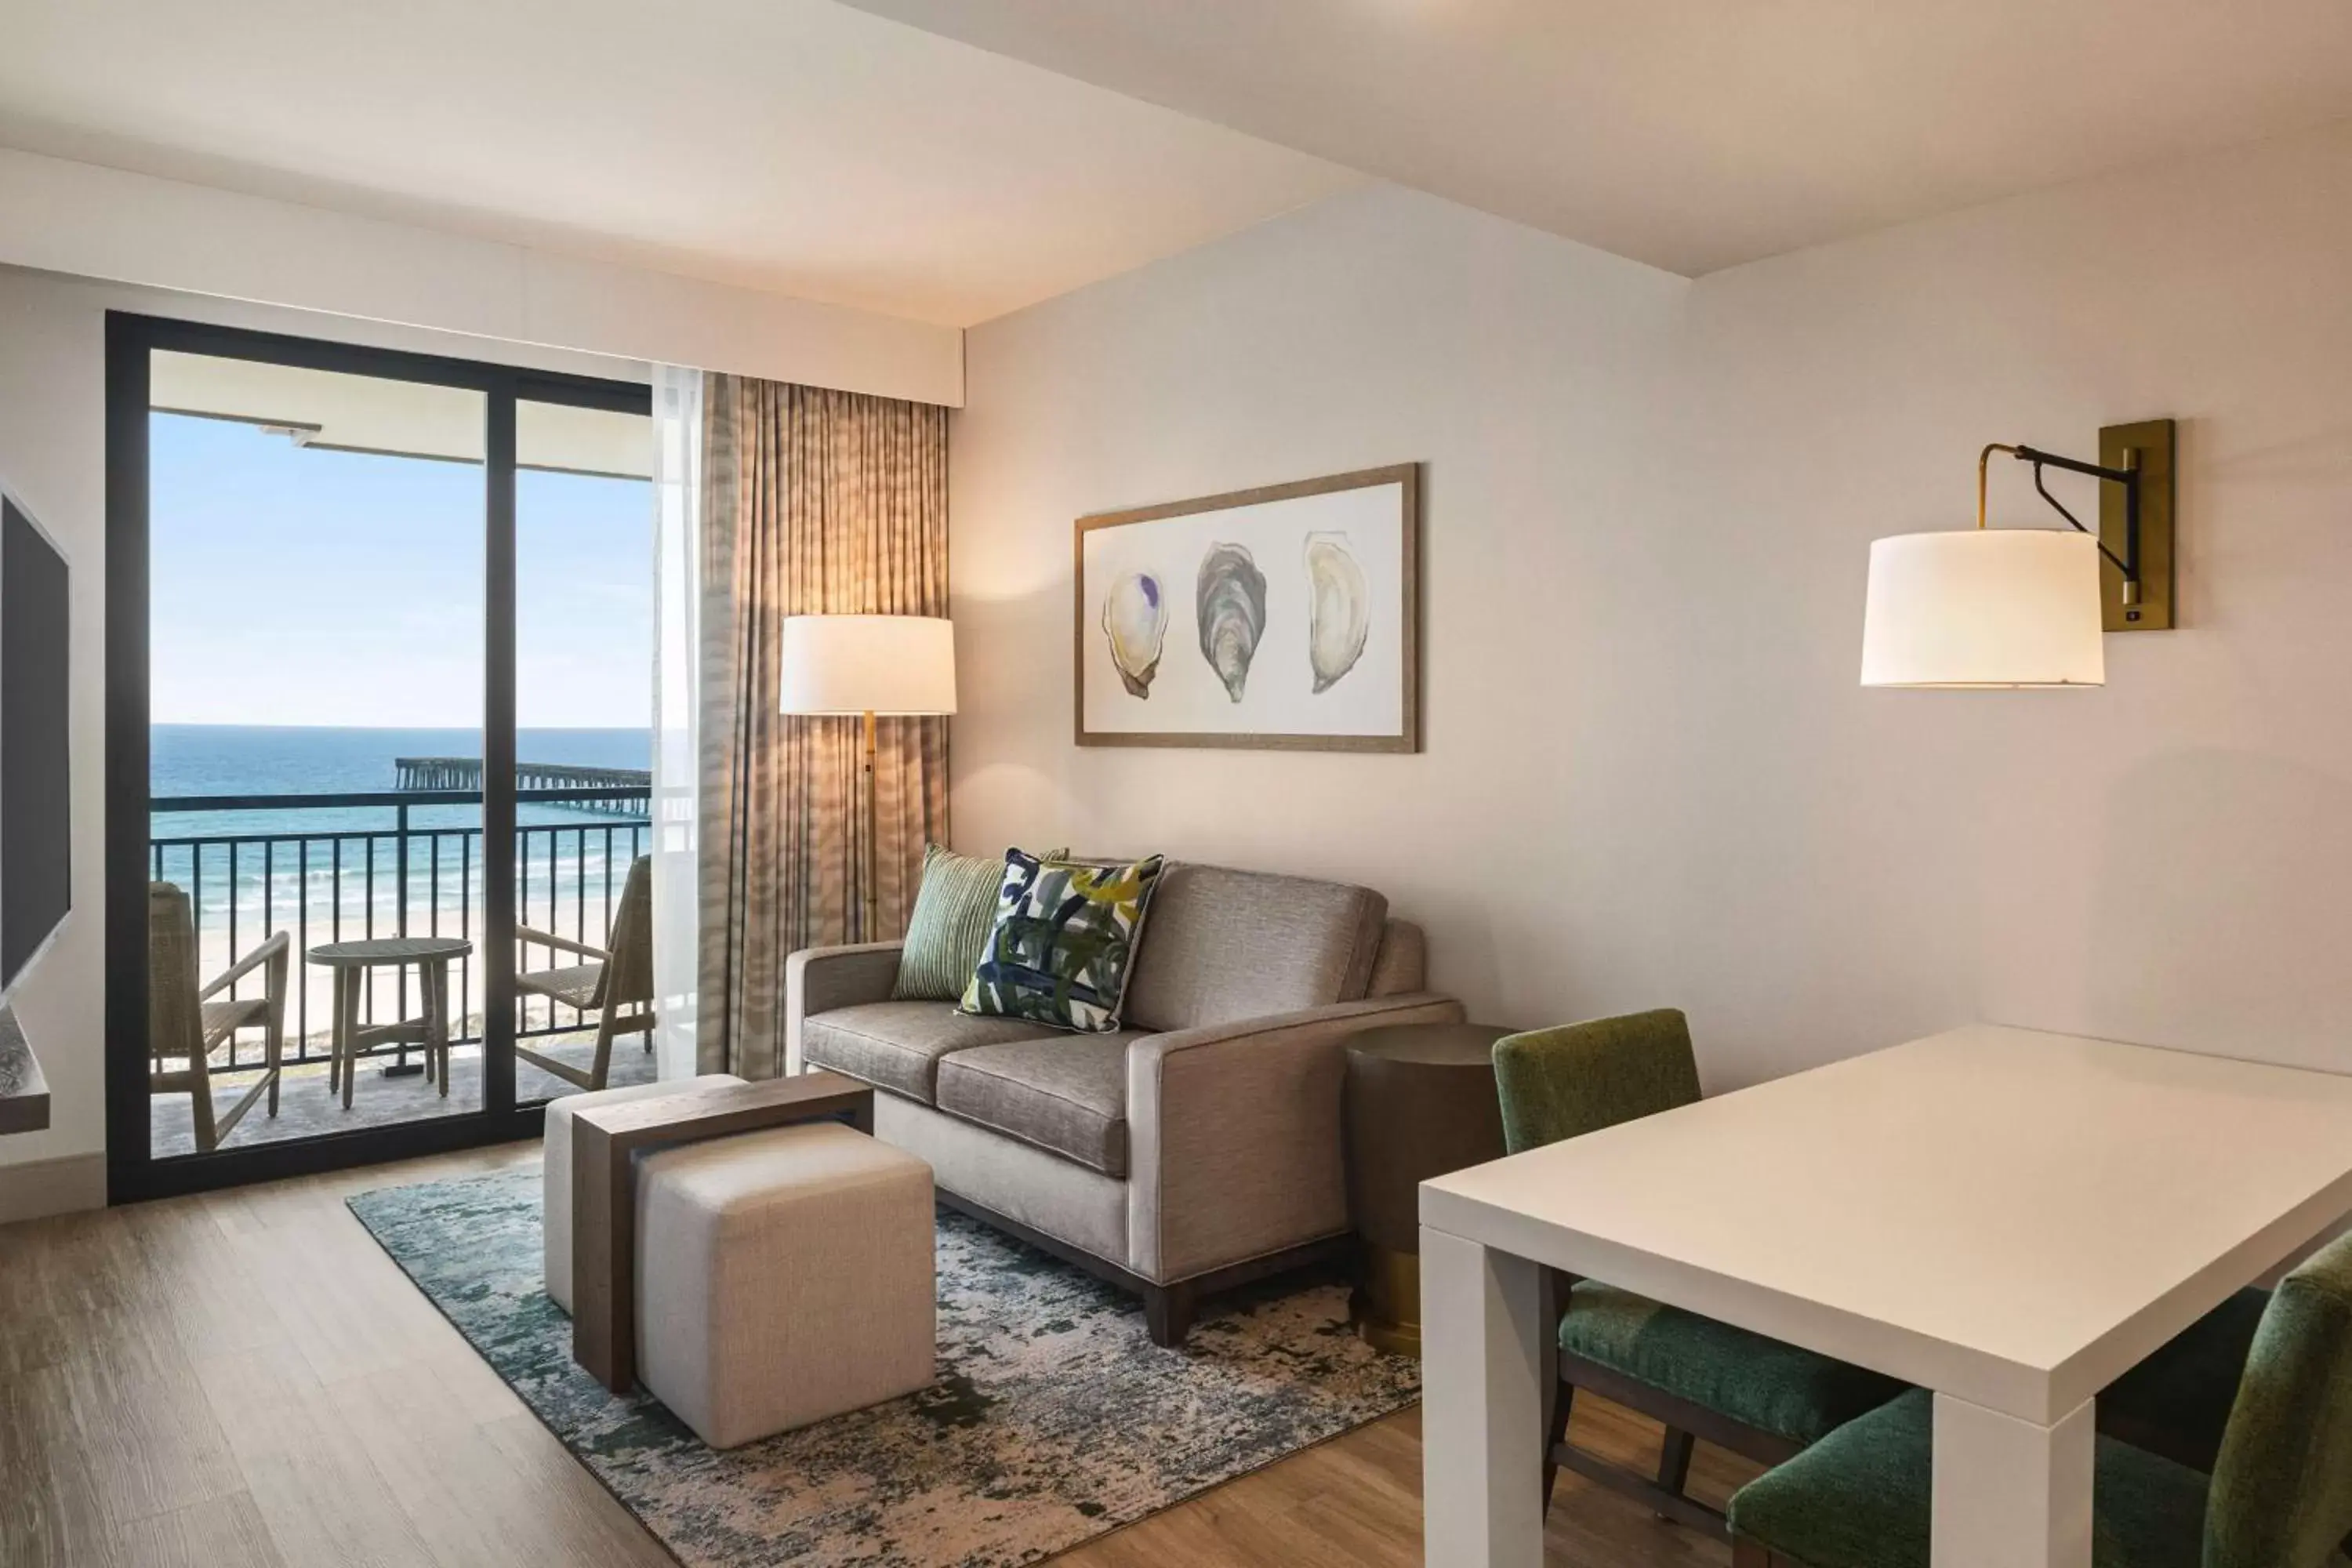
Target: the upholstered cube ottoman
pixel 556 1249
pixel 782 1276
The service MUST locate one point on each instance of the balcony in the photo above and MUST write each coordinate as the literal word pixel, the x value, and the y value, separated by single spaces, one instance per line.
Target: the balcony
pixel 410 863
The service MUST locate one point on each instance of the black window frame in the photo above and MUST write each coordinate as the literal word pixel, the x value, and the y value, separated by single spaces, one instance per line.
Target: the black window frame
pixel 134 1171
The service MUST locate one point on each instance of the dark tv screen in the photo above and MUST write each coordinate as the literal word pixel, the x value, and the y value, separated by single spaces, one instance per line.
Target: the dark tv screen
pixel 36 787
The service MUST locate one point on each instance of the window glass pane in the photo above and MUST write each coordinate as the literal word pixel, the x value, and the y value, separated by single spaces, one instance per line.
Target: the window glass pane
pixel 315 558
pixel 583 715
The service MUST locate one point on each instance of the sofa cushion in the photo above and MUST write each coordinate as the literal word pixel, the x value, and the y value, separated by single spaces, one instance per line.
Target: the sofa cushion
pixel 1066 1094
pixel 955 909
pixel 897 1046
pixel 1226 945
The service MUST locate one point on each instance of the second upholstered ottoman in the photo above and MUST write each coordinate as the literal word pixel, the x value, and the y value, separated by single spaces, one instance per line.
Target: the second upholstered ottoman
pixel 784 1277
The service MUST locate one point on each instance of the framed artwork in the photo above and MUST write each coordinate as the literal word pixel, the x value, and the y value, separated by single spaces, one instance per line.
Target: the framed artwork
pixel 1285 617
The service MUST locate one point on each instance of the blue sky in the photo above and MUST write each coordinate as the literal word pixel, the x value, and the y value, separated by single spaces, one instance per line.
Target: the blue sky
pixel 336 588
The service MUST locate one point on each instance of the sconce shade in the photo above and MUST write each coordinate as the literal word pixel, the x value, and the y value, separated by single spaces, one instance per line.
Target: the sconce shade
pixel 1987 607
pixel 868 664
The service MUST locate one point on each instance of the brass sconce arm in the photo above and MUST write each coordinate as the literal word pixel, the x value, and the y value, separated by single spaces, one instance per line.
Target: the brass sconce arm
pixel 2128 477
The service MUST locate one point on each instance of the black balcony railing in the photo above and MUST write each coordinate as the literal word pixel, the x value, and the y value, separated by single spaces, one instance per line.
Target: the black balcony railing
pixel 418 871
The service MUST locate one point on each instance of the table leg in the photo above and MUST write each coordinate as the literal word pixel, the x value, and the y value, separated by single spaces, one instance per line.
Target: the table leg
pixel 347 1020
pixel 1483 1341
pixel 2008 1493
pixel 436 1015
pixel 335 1031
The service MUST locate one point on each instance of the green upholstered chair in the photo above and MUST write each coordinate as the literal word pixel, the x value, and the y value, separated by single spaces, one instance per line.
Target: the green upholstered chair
pixel 2177 1402
pixel 2280 1496
pixel 1698 1377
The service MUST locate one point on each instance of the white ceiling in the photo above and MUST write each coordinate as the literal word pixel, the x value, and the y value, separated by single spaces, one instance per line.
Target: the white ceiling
pixel 1020 148
pixel 793 145
pixel 1695 134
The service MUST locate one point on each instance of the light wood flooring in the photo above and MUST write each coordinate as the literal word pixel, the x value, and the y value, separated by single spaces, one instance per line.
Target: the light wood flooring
pixel 245 1378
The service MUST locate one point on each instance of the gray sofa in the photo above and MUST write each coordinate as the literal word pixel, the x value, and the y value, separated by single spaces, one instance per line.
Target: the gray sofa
pixel 1195 1150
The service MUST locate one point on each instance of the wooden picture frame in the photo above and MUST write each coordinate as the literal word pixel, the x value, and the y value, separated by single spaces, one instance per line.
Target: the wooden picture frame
pixel 1339 601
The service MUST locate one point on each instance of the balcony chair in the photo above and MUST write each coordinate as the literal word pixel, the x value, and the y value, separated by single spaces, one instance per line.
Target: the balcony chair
pixel 2280 1495
pixel 1699 1378
pixel 617 982
pixel 184 1026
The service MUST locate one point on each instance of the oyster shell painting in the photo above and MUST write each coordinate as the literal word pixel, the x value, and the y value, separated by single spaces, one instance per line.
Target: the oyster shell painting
pixel 1135 624
pixel 1230 600
pixel 1339 608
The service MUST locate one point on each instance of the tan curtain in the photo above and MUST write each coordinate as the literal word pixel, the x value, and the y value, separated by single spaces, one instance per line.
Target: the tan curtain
pixel 815 502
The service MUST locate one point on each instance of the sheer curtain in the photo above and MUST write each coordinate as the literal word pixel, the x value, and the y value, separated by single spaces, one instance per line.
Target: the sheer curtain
pixel 678 660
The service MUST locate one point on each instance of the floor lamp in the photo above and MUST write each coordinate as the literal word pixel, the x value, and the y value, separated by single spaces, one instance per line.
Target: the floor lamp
pixel 871 666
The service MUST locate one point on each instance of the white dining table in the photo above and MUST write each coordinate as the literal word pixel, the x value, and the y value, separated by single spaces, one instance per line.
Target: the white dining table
pixel 2007 1217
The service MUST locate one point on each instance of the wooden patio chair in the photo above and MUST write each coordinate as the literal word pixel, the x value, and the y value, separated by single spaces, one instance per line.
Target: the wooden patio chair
pixel 186 1026
pixel 617 982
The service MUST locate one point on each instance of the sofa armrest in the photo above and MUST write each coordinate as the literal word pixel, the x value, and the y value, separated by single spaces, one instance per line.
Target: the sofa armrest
pixel 1233 1134
pixel 819 979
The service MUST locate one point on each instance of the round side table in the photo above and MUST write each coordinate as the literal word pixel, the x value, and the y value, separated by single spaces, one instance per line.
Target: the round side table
pixel 350 961
pixel 1420 1102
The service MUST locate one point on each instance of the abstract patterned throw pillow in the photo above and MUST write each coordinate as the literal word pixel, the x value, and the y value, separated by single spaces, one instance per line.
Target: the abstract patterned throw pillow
pixel 1064 941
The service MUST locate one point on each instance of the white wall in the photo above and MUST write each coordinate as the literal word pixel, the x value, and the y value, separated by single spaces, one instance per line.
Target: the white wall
pixel 1651 776
pixel 91 222
pixel 52 455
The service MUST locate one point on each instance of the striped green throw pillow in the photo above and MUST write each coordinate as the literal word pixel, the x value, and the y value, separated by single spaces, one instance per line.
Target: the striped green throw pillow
pixel 955 909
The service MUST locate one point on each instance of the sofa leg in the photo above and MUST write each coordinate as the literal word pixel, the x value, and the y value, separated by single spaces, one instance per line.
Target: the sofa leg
pixel 1168 1313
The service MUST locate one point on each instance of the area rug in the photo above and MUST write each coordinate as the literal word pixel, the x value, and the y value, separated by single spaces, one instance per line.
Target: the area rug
pixel 1053 1419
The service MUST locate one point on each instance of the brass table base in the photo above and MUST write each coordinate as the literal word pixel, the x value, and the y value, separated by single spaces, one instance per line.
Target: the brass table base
pixel 1387 1302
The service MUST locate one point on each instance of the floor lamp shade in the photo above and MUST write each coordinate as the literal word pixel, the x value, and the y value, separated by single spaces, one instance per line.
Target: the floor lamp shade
pixel 868 664
pixel 1986 607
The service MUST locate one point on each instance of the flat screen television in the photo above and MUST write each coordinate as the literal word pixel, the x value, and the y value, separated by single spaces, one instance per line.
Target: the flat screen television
pixel 36 779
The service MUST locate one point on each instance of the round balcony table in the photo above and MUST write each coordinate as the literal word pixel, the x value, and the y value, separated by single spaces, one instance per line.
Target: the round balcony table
pixel 351 961
pixel 1419 1103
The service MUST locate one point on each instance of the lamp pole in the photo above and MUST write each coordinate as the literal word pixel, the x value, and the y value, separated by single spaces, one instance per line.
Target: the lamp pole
pixel 872 923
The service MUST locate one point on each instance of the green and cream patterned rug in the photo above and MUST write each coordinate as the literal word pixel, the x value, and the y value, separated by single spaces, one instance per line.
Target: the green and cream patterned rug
pixel 1053 1419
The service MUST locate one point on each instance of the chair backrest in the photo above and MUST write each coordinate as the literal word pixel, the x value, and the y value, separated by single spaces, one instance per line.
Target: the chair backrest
pixel 1580 1077
pixel 174 1018
pixel 629 974
pixel 2281 1495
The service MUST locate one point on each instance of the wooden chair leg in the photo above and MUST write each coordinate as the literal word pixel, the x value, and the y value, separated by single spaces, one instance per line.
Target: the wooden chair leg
pixel 201 1106
pixel 274 994
pixel 1563 1398
pixel 1748 1553
pixel 603 1063
pixel 1674 1461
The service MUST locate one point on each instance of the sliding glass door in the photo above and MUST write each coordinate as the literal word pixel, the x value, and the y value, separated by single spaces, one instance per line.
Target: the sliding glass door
pixel 336 577
pixel 583 748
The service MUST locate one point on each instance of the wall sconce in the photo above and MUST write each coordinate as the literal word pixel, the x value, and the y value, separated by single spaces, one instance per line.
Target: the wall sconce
pixel 2025 607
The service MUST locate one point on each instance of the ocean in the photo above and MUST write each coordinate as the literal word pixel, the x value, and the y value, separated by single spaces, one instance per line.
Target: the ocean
pixel 334 873
pixel 258 759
